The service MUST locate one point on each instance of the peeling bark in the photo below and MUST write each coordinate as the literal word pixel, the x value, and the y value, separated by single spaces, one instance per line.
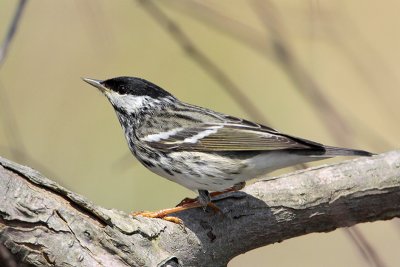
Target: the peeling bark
pixel 44 224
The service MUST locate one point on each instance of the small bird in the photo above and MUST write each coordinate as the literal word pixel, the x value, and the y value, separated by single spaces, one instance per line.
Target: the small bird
pixel 201 149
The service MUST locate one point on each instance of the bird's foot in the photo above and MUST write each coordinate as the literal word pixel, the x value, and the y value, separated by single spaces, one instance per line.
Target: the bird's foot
pixel 164 214
pixel 158 214
pixel 236 187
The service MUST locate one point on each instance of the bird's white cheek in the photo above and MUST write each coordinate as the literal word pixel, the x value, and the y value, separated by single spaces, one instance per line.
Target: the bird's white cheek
pixel 128 103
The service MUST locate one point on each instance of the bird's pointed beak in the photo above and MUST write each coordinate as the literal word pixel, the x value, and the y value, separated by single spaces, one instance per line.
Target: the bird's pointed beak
pixel 96 83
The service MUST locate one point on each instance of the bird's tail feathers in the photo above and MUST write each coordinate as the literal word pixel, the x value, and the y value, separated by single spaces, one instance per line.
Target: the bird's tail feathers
pixel 332 151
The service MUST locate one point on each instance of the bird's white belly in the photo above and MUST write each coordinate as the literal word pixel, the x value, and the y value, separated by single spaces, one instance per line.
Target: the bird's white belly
pixel 196 170
pixel 215 173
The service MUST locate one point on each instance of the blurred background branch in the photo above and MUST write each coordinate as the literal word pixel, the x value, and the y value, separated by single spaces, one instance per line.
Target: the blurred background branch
pixel 11 32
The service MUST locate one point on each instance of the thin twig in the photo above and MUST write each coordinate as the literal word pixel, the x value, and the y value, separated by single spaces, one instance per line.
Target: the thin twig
pixel 365 248
pixel 11 31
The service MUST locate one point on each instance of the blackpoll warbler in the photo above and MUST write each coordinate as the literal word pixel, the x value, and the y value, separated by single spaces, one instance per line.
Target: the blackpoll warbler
pixel 198 148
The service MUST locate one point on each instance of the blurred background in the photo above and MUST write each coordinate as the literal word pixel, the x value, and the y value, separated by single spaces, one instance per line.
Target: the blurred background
pixel 323 70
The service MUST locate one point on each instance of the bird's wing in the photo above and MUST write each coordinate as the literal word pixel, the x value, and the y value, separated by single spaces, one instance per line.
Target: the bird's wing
pixel 225 137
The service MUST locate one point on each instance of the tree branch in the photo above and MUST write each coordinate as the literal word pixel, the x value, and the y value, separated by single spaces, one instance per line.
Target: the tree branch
pixel 44 224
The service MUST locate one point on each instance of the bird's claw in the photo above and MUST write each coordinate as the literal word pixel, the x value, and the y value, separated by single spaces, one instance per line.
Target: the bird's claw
pixel 158 214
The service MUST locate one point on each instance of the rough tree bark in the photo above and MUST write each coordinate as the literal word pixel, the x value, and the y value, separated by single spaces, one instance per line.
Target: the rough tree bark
pixel 44 224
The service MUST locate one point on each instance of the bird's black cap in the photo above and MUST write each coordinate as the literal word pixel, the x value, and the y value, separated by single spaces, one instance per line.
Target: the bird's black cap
pixel 134 86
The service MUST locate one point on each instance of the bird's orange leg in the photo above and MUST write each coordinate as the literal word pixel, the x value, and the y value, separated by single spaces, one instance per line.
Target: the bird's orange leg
pixel 163 214
pixel 185 204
